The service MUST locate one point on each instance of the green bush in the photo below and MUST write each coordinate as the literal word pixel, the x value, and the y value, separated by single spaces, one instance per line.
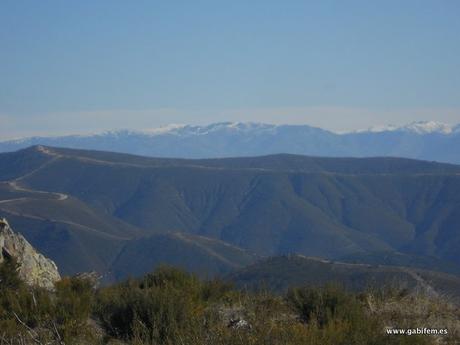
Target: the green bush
pixel 333 316
pixel 321 305
pixel 72 308
pixel 158 308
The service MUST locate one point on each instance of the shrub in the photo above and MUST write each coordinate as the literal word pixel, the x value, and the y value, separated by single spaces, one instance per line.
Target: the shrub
pixel 72 308
pixel 158 308
pixel 321 305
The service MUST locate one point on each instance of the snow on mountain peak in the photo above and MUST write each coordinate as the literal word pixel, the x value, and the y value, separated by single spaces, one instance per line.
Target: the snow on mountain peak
pixel 418 127
pixel 380 128
pixel 165 129
pixel 207 129
pixel 426 127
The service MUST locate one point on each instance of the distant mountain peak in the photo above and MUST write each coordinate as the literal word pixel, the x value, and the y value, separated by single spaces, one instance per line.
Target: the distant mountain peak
pixel 417 127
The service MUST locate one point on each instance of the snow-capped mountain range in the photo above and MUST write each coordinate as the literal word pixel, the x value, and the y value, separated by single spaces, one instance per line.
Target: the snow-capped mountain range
pixel 427 140
pixel 419 127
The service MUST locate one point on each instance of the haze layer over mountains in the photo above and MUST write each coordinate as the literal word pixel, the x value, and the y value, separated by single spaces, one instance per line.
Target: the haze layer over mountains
pixel 431 141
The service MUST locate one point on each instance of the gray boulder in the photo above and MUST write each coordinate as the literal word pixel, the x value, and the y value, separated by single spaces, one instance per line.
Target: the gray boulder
pixel 34 268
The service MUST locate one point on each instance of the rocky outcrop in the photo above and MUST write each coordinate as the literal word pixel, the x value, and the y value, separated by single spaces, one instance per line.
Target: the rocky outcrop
pixel 34 268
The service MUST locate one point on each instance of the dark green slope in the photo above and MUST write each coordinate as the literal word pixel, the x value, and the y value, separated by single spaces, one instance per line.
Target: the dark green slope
pixel 280 273
pixel 257 210
pixel 74 235
pixel 76 247
pixel 203 256
pixel 269 205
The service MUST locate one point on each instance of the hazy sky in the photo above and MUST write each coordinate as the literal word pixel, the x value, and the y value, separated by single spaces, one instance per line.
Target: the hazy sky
pixel 79 66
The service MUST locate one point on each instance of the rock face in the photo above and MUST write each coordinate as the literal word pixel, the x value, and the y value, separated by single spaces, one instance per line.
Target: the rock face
pixel 34 268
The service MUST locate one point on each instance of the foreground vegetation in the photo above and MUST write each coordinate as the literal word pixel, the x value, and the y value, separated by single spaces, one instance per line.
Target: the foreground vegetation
pixel 170 306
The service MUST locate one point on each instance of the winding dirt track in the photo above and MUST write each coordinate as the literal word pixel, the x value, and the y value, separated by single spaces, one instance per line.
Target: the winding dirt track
pixel 15 184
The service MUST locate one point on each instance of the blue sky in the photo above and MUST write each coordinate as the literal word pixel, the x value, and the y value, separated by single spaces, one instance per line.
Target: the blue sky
pixel 82 66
